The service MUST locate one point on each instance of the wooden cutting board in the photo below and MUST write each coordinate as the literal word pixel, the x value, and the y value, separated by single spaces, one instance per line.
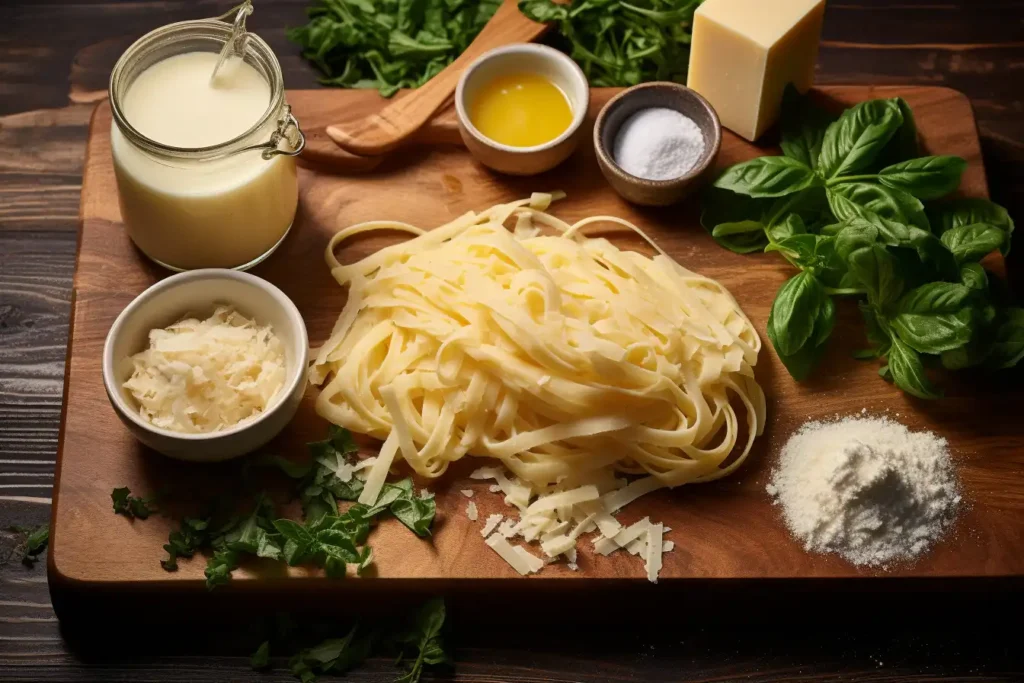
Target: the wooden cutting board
pixel 724 530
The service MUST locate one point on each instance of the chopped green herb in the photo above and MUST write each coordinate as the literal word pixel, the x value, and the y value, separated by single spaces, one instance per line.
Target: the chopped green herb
pixel 35 543
pixel 131 506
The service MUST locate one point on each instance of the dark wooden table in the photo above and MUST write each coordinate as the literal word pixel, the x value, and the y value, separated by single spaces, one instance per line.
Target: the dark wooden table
pixel 55 58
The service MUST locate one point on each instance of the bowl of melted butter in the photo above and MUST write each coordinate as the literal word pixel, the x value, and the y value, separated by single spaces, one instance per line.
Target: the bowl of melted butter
pixel 521 108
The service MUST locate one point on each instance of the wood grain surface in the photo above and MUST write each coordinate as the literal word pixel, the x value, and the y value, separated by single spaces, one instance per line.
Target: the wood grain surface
pixel 724 530
pixel 55 59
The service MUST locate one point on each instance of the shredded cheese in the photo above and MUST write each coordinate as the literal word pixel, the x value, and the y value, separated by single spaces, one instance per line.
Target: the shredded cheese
pixel 468 493
pixel 200 376
pixel 490 525
pixel 471 511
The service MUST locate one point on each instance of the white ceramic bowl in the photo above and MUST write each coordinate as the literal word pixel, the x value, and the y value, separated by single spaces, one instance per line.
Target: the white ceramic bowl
pixel 522 58
pixel 197 293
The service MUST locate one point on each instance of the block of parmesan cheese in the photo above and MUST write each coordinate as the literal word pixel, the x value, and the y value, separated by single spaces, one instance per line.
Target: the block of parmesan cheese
pixel 744 52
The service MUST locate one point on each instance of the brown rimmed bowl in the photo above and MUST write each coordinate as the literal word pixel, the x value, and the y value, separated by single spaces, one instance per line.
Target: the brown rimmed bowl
pixel 646 95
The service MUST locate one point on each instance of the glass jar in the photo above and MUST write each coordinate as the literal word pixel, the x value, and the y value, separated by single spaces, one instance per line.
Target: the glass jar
pixel 226 205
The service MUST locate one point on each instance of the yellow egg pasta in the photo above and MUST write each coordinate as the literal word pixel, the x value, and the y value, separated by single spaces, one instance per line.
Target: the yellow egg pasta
pixel 558 354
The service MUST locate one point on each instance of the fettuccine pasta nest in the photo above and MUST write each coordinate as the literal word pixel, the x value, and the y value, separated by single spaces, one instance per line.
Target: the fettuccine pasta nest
pixel 557 354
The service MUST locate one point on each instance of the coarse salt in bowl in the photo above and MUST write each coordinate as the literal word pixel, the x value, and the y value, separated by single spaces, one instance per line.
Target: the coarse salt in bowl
pixel 636 101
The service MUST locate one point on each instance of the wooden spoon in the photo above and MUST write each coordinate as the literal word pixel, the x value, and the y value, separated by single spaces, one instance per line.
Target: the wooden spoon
pixel 392 125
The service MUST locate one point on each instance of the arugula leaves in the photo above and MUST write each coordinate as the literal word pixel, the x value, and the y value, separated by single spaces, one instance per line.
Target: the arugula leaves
pixel 131 506
pixel 619 43
pixel 388 44
pixel 845 206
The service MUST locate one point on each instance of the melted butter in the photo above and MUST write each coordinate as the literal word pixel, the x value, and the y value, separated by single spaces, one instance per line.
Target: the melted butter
pixel 521 110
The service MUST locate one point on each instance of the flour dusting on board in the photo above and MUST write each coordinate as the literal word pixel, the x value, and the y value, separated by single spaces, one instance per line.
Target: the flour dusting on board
pixel 866 488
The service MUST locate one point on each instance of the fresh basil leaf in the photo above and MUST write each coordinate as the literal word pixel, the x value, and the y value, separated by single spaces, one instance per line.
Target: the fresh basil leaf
pixel 1008 346
pixel 867 200
pixel 801 363
pixel 934 298
pixel 885 373
pixel 803 127
pixel 35 543
pixel 768 177
pixel 926 177
pixel 415 513
pixel 973 276
pixel 856 234
pixel 904 143
pixel 722 206
pixel 934 332
pixel 800 248
pixel 744 237
pixel 972 242
pixel 960 212
pixel 933 253
pixel 876 270
pixel 876 330
pixel 908 371
pixel 852 143
pixel 792 225
pixel 794 313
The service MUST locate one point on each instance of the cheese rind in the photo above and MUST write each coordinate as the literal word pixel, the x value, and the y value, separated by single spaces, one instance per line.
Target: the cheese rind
pixel 745 52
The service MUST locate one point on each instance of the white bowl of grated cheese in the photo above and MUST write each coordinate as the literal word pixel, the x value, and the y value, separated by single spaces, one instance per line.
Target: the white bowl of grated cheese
pixel 207 365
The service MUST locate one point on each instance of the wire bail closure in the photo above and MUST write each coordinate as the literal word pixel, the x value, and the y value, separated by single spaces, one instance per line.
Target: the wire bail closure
pixel 288 128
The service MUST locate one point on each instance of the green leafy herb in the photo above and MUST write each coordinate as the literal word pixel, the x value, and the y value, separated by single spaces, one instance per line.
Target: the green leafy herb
pixel 131 506
pixel 971 242
pixel 388 44
pixel 185 541
pixel 619 43
pixel 926 177
pixel 261 658
pixel 34 544
pixel 844 206
pixel 852 143
pixel 423 637
pixel 768 177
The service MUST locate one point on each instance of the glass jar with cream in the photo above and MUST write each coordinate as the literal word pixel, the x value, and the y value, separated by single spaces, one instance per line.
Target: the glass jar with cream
pixel 205 166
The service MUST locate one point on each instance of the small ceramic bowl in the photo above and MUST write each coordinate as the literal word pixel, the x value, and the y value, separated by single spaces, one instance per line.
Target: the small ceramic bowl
pixel 520 58
pixel 197 293
pixel 671 96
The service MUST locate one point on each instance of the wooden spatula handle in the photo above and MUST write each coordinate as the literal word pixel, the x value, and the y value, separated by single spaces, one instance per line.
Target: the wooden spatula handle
pixel 390 127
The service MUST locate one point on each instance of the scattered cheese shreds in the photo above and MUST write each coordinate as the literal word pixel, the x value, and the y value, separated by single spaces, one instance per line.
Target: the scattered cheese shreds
pixel 668 546
pixel 209 375
pixel 508 553
pixel 490 525
pixel 507 529
pixel 654 534
pixel 571 557
pixel 471 511
pixel 468 493
pixel 563 498
pixel 532 561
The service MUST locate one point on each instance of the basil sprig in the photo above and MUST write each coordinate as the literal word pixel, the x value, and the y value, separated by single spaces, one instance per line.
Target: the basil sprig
pixel 852 206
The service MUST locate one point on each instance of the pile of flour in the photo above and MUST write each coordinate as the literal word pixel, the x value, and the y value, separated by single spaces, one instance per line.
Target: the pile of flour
pixel 866 488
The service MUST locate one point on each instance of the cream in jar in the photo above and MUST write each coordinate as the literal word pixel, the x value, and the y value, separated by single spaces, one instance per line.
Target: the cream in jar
pixel 199 206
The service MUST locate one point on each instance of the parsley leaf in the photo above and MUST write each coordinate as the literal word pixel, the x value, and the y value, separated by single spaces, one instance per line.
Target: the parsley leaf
pixel 34 544
pixel 185 541
pixel 131 506
pixel 261 658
